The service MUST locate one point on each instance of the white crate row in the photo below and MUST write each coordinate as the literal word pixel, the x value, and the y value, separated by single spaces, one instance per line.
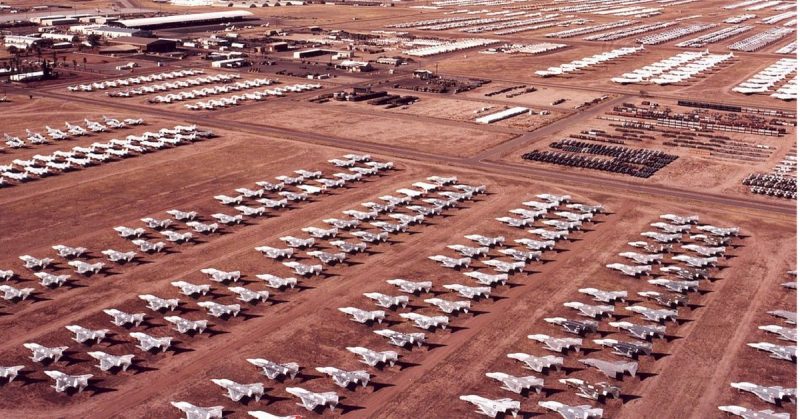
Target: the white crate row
pixel 716 36
pixel 210 91
pixel 235 100
pixel 674 69
pixel 761 40
pixel 777 18
pixel 103 85
pixel 788 91
pixel 739 18
pixel 450 47
pixel 588 61
pixel 179 84
pixel 626 32
pixel 675 33
pixel 569 33
pixel 511 24
pixel 789 48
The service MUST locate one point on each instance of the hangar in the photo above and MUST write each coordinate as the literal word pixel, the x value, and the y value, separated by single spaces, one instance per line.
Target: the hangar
pixel 193 19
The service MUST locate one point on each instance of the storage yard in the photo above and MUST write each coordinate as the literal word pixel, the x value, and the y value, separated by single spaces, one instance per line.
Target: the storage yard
pixel 429 209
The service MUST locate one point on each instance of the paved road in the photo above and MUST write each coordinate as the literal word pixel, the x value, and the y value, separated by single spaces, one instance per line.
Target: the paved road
pixel 585 180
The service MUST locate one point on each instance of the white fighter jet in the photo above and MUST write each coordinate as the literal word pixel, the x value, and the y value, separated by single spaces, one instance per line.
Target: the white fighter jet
pixel 84 268
pixel 63 381
pixel 187 326
pixel 191 290
pixel 278 282
pixel 488 279
pixel 562 345
pixel 217 275
pixel 237 391
pixel 539 363
pixel 276 253
pixel 364 316
pixel 303 269
pixel 148 343
pixel 374 358
pixel 274 370
pixel 196 412
pixel 84 335
pixel 517 384
pixel 402 339
pixel 249 296
pixel 605 296
pixel 492 408
pixel 220 310
pixel 122 319
pixel 469 292
pixel 108 361
pixel 572 412
pixel 41 353
pixel 426 322
pixel 448 262
pixel 69 252
pixel 344 378
pixel 311 400
pixel 753 414
pixel 449 307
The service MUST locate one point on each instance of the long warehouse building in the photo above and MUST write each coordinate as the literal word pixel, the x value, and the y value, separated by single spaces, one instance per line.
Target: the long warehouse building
pixel 194 19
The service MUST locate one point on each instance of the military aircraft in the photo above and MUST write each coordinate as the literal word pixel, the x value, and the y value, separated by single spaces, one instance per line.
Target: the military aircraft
pixel 363 316
pixel 344 378
pixel 539 363
pixel 449 306
pixel 492 408
pixel 786 353
pixel 598 391
pixel 64 381
pixel 311 400
pixel 655 315
pixel 572 412
pixel 402 339
pixel 237 391
pixel 196 412
pixel 108 361
pixel 593 311
pixel 562 345
pixel 627 349
pixel 517 384
pixel 605 296
pixel 374 358
pixel 642 332
pixel 613 369
pixel 274 370
pixel 577 327
pixel 772 394
pixel 753 414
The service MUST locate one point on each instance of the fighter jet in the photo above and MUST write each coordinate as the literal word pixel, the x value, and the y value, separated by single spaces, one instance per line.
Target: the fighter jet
pixel 647 333
pixel 488 279
pixel 521 256
pixel 349 247
pixel 503 266
pixel 662 237
pixel 613 369
pixel 685 273
pixel 426 211
pixel 605 296
pixel 51 280
pixel 303 269
pixel 387 301
pixel 486 241
pixel 469 292
pixel 563 225
pixel 35 263
pixel 297 242
pixel 650 247
pixel 182 215
pixel 643 259
pixel 249 296
pixel 363 316
pixel 655 315
pixel 251 211
pixel 361 215
pixel 108 361
pixel 10 373
pixel 273 203
pixel 65 381
pixel 126 232
pixel 187 326
pixel 321 233
pixel 630 270
pixel 122 319
pixel 311 400
pixel 277 282
pixel 217 275
pixel 411 287
pixel 773 394
pixel 374 358
pixel 328 258
pixel 237 391
pixel 176 237
pixel 15 294
pixel 492 408
pixel 573 412
pixel 516 222
pixel 787 353
pixel 599 391
pixel 711 240
pixel 148 343
pixel 577 327
pixel 753 414
pixel 539 363
pixel 402 339
pixel 705 250
pixel 84 335
pixel 550 234
pixel 368 237
pixel 228 219
pixel 75 129
pixel 56 134
pixel 593 311
pixel 269 186
pixel 593 209
pixel 449 306
pixel 682 287
pixel 537 244
pixel 6 275
pixel 671 228
pixel 562 345
pixel 517 384
pixel 41 353
pixel 442 180
pixel 628 349
pixel 390 228
pixel 158 304
pixel 69 252
pixel 528 214
pixel 344 378
pixel 274 370
pixel 720 231
pixel 678 219
pixel 220 310
pixel 191 289
pixel 788 316
pixel 665 300
pixel 696 262
pixel 148 247
pixel 196 412
pixel 426 322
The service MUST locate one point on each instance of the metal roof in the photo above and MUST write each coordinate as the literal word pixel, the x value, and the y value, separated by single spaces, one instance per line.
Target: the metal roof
pixel 195 17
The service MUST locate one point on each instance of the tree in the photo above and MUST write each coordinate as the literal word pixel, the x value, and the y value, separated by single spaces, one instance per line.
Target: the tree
pixel 94 39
